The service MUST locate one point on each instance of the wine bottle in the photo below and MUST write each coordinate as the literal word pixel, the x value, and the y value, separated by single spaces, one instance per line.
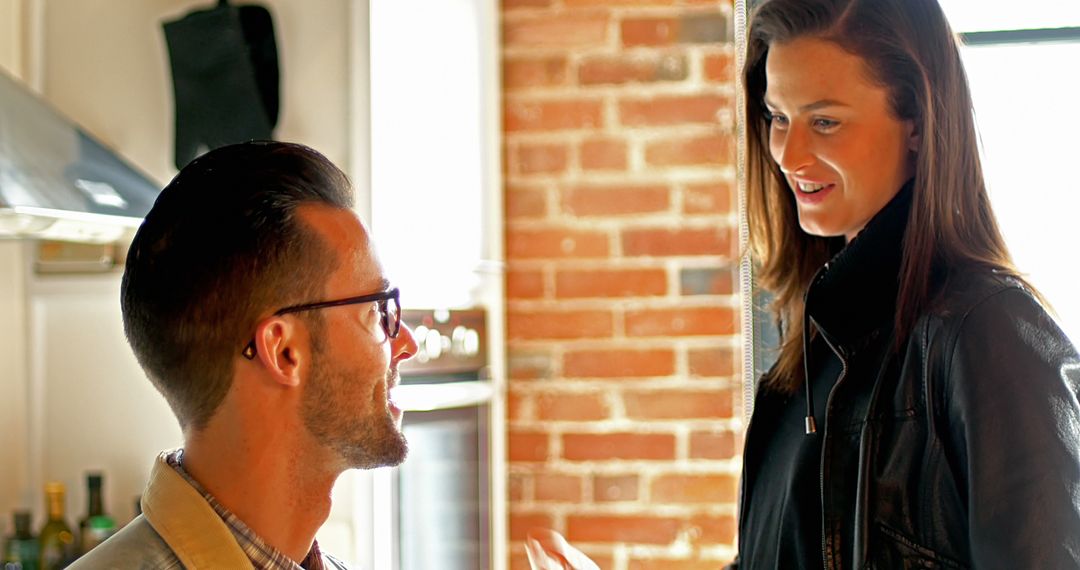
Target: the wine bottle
pixel 21 548
pixel 57 541
pixel 96 526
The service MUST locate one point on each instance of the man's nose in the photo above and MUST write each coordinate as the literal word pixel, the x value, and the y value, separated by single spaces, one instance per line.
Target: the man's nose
pixel 403 346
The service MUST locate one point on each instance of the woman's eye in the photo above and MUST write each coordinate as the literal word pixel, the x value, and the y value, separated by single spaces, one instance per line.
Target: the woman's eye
pixel 825 124
pixel 775 120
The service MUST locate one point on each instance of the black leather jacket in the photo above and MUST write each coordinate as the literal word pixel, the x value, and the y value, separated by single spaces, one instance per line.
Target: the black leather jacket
pixel 962 448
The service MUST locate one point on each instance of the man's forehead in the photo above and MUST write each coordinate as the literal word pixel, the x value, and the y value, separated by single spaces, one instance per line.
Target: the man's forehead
pixel 345 234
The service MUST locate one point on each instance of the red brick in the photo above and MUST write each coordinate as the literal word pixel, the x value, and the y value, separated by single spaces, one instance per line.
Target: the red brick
pixel 681 321
pixel 617 200
pixel 540 72
pixel 511 4
pixel 567 31
pixel 677 404
pixel 613 488
pixel 632 68
pixel 712 198
pixel 525 203
pixel 689 28
pixel 713 529
pixel 632 529
pixel 515 406
pixel 551 115
pixel 599 446
pixel 610 283
pixel 649 31
pixel 674 564
pixel 707 280
pixel 719 68
pixel 524 284
pixel 709 28
pixel 672 110
pixel 518 559
pixel 712 445
pixel 553 324
pixel 525 364
pixel 555 243
pixel 527 446
pixel 571 407
pixel 522 523
pixel 695 489
pixel 712 149
pixel 666 242
pixel 604 154
pixel 557 487
pixel 515 487
pixel 718 361
pixel 621 363
pixel 542 158
pixel 640 3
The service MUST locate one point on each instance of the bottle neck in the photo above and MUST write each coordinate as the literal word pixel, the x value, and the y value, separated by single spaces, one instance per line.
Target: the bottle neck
pixel 94 504
pixel 55 502
pixel 22 525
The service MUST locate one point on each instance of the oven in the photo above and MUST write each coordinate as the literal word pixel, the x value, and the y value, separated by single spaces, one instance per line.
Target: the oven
pixel 433 511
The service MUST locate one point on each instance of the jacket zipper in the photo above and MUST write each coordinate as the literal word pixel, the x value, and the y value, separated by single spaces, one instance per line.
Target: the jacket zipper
pixel 828 406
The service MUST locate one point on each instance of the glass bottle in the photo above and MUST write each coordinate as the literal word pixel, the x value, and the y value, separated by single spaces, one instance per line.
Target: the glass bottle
pixel 97 525
pixel 56 538
pixel 21 548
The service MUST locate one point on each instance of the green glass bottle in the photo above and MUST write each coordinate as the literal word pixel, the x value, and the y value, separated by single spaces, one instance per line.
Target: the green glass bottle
pixel 97 525
pixel 21 548
pixel 57 540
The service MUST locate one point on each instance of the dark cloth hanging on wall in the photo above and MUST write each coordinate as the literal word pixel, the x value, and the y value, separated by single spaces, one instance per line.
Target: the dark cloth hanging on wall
pixel 225 77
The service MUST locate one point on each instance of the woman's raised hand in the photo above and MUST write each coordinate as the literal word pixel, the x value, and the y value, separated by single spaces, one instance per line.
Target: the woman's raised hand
pixel 548 550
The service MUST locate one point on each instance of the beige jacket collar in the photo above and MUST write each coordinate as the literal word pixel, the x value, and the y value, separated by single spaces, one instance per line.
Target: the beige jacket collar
pixel 196 534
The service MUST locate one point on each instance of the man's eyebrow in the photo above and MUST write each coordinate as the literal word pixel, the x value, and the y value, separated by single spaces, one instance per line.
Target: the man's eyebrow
pixel 384 284
pixel 811 106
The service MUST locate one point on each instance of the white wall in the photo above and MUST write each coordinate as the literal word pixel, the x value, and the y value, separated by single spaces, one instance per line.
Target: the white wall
pixel 13 397
pixel 105 63
pixel 72 397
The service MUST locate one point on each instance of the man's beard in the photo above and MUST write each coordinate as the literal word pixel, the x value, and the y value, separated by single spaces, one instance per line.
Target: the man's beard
pixel 362 442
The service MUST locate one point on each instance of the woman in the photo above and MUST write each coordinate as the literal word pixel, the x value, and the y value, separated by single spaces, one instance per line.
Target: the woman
pixel 923 409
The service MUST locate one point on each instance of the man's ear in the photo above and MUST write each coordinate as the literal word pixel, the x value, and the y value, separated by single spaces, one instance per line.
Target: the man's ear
pixel 282 349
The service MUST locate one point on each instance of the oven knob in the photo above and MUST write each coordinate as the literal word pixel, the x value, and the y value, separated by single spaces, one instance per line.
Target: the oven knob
pixel 432 344
pixel 420 334
pixel 457 340
pixel 472 342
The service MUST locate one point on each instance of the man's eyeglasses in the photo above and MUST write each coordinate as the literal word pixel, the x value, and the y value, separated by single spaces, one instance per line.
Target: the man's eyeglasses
pixel 389 303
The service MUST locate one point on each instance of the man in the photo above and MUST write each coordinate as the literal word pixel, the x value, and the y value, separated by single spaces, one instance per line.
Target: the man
pixel 253 299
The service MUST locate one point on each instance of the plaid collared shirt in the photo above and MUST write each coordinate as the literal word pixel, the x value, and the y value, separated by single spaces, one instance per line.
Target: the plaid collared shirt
pixel 262 555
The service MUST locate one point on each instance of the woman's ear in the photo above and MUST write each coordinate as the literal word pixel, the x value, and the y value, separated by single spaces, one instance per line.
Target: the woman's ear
pixel 914 137
pixel 281 349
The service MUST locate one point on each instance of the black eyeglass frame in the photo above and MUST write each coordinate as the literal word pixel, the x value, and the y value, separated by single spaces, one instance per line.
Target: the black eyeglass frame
pixel 383 298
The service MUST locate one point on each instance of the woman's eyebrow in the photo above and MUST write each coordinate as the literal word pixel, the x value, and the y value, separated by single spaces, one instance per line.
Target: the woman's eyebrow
pixel 820 104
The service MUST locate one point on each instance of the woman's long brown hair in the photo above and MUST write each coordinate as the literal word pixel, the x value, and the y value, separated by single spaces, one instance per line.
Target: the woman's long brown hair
pixel 909 49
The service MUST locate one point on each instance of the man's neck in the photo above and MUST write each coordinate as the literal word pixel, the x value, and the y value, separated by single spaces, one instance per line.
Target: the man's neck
pixel 270 484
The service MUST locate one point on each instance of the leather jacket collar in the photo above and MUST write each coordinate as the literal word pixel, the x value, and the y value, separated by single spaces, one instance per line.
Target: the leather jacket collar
pixel 855 292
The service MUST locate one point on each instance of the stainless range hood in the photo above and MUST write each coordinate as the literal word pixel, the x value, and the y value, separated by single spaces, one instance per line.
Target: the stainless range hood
pixel 59 183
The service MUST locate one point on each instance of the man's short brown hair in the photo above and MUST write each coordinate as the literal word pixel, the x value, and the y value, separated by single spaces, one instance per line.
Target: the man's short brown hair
pixel 221 248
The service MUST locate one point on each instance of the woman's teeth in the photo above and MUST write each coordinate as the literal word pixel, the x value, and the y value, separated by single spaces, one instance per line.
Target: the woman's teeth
pixel 811 188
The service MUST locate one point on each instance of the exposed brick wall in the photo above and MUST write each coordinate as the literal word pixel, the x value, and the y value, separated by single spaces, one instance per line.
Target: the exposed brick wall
pixel 622 322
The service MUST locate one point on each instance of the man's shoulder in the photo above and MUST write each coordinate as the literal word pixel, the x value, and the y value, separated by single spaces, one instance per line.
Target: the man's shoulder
pixel 136 546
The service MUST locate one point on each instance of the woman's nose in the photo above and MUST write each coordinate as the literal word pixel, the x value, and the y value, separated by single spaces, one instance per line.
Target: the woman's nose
pixel 791 151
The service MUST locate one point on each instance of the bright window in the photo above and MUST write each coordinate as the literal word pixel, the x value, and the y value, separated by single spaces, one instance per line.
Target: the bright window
pixel 1025 97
